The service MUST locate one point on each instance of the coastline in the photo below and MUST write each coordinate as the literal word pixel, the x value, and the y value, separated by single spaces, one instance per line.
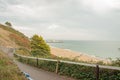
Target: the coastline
pixel 65 53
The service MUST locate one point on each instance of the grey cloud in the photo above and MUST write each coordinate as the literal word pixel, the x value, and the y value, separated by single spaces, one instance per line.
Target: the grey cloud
pixel 70 14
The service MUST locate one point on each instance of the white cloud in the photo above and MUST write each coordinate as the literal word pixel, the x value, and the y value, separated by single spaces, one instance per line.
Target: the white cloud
pixel 64 18
pixel 21 10
pixel 26 30
pixel 101 6
pixel 53 27
pixel 23 28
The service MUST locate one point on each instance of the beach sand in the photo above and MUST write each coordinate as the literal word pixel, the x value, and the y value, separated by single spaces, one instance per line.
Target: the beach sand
pixel 64 53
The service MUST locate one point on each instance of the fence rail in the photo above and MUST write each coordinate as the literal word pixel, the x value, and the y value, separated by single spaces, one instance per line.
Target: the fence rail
pixel 70 62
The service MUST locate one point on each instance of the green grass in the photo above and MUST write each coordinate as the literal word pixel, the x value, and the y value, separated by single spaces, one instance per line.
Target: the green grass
pixel 8 70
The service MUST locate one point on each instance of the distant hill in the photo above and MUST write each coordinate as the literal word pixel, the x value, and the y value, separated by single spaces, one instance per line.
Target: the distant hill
pixel 12 38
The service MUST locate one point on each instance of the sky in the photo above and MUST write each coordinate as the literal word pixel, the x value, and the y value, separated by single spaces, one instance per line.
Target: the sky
pixel 64 19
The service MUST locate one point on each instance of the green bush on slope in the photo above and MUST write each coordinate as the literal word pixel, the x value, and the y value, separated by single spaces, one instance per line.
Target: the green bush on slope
pixel 39 47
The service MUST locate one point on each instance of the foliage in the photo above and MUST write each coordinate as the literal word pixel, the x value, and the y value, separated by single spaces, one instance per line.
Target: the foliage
pixel 39 46
pixel 116 62
pixel 23 51
pixel 8 24
pixel 8 70
pixel 78 72
pixel 46 65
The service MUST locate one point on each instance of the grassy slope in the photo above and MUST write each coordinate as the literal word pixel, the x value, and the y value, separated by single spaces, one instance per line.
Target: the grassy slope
pixel 13 38
pixel 8 70
pixel 10 37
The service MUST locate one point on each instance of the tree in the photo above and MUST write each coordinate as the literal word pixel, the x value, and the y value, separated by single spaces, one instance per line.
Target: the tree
pixel 39 46
pixel 8 24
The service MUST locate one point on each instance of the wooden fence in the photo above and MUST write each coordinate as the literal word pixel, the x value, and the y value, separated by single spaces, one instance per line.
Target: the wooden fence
pixel 70 62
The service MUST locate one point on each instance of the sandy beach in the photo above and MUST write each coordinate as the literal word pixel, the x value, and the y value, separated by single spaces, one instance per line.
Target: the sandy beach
pixel 76 55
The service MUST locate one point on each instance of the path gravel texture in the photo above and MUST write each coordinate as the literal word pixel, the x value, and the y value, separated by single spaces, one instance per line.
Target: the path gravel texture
pixel 35 73
pixel 39 74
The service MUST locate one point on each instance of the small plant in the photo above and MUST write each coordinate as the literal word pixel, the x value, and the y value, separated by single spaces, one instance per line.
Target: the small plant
pixel 8 24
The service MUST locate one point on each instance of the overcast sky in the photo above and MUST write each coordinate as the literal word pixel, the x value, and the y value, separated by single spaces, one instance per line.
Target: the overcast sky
pixel 64 19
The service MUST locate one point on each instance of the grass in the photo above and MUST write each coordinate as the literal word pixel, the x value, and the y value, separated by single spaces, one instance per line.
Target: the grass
pixel 0 35
pixel 10 29
pixel 23 51
pixel 8 70
pixel 21 41
pixel 19 38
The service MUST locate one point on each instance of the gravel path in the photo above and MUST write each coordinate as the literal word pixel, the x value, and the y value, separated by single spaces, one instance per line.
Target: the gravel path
pixel 39 74
pixel 35 73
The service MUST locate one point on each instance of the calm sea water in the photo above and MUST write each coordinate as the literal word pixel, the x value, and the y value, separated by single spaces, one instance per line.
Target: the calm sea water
pixel 102 49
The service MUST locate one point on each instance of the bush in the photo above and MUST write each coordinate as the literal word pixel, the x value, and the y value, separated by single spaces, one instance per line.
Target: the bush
pixel 76 71
pixel 116 62
pixel 23 51
pixel 39 47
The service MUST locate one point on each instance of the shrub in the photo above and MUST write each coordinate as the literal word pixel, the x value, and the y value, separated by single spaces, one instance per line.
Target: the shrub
pixel 78 72
pixel 39 46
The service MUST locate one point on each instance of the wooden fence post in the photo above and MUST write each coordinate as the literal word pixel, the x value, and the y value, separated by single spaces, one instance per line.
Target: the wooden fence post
pixel 57 66
pixel 28 61
pixel 97 72
pixel 37 61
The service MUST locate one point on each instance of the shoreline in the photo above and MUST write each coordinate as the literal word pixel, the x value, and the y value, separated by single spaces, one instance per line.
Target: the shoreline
pixel 73 55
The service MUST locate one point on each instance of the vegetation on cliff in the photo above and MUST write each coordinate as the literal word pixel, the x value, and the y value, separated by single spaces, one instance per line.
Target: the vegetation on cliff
pixel 13 38
pixel 8 70
pixel 39 47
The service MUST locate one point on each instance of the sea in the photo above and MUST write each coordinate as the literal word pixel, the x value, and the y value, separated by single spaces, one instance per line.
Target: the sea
pixel 101 49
